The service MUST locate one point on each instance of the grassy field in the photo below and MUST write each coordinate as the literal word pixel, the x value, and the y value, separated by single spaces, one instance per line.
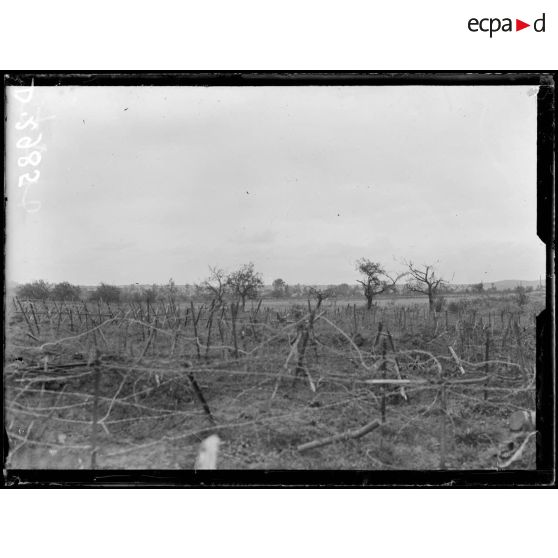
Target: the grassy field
pixel 132 386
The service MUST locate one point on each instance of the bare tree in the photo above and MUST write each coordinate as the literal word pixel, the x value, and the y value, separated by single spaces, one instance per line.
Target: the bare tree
pixel 375 280
pixel 216 284
pixel 320 295
pixel 245 283
pixel 425 281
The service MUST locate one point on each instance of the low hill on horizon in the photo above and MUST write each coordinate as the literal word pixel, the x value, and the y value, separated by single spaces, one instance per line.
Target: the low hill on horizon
pixel 513 283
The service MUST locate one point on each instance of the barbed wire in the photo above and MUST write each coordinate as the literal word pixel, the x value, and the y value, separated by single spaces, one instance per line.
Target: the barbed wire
pixel 143 375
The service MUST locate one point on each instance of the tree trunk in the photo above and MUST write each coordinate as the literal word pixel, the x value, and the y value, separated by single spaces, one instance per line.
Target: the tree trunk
pixel 431 301
pixel 369 299
pixel 243 297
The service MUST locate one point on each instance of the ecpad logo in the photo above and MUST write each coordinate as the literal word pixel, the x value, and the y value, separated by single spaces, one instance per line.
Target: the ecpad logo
pixel 493 25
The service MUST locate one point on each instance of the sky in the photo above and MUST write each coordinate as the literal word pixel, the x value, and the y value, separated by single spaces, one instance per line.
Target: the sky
pixel 141 184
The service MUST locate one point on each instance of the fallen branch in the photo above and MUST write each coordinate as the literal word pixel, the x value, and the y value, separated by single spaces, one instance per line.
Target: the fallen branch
pixel 341 437
pixel 468 380
pixel 396 382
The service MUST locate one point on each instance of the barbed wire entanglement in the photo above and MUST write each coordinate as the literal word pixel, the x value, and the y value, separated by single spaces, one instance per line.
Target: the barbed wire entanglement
pixel 96 385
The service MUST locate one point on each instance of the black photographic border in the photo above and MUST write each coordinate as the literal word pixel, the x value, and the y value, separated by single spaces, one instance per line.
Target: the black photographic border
pixel 545 473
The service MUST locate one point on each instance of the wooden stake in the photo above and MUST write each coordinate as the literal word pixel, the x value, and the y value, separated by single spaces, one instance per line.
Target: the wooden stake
pixel 26 318
pixel 397 367
pixel 486 359
pixel 199 394
pixel 234 312
pixel 210 325
pixel 380 328
pixel 174 340
pixel 35 318
pixel 521 357
pixel 94 427
pixel 383 368
pixel 195 322
pixel 443 407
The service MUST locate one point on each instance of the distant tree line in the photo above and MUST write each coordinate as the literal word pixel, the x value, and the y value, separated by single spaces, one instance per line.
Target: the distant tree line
pixel 246 283
pixel 41 290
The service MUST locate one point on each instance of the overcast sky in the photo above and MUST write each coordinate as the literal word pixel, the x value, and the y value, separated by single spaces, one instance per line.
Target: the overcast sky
pixel 140 184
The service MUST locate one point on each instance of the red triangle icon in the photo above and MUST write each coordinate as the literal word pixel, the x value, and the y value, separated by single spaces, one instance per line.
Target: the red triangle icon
pixel 519 25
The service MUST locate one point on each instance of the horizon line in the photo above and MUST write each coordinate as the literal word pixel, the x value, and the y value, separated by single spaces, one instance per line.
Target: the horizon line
pixel 310 284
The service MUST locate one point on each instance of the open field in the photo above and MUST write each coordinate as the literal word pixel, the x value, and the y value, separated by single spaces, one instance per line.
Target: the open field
pixel 91 385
